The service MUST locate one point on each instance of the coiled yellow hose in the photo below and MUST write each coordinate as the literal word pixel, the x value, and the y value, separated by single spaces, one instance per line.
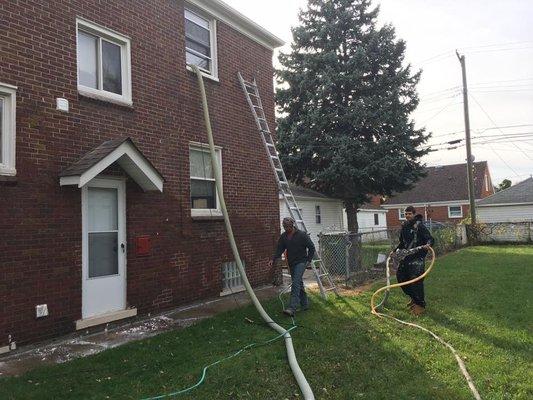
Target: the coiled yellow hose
pixel 374 311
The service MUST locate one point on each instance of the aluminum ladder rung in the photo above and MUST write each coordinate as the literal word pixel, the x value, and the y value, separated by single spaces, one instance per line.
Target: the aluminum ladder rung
pixel 251 90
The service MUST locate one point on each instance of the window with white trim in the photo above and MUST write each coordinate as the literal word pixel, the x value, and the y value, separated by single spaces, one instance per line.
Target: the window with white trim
pixel 318 215
pixel 376 219
pixel 200 42
pixel 8 105
pixel 231 278
pixel 401 214
pixel 104 63
pixel 204 200
pixel 455 212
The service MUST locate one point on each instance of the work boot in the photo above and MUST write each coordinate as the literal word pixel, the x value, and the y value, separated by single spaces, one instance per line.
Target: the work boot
pixel 417 310
pixel 289 312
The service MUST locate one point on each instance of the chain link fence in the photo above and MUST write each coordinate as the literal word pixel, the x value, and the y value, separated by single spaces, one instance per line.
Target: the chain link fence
pixel 357 257
pixel 501 232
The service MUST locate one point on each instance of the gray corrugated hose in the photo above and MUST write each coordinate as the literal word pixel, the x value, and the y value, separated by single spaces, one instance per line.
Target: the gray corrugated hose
pixel 296 370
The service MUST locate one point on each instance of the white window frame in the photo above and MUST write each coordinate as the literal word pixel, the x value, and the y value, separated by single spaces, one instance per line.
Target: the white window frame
pixel 400 213
pixel 213 74
pixel 125 60
pixel 455 216
pixel 207 212
pixel 318 214
pixel 376 215
pixel 8 93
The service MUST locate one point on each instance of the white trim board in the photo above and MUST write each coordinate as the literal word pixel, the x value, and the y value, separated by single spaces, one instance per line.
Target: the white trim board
pixel 239 22
pixel 434 203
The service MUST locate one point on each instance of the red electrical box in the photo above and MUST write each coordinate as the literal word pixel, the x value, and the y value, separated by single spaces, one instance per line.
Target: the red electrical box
pixel 143 246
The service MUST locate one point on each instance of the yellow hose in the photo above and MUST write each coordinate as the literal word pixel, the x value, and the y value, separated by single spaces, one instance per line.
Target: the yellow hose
pixel 396 285
pixel 374 311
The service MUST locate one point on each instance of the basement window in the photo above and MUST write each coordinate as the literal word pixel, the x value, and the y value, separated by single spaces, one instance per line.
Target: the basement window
pixel 8 104
pixel 200 42
pixel 455 212
pixel 204 199
pixel 104 63
pixel 231 279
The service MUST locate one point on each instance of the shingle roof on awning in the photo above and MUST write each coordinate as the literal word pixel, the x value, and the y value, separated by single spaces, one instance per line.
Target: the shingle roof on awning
pixel 122 151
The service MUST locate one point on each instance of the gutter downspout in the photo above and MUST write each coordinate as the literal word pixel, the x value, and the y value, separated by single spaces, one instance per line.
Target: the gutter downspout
pixel 296 370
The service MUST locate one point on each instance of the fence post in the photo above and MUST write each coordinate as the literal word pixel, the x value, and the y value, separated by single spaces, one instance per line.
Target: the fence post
pixel 347 255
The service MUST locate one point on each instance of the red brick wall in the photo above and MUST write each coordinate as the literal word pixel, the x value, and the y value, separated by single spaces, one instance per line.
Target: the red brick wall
pixel 40 222
pixel 435 213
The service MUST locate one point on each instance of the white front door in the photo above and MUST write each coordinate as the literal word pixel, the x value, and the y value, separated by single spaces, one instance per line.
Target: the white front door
pixel 104 247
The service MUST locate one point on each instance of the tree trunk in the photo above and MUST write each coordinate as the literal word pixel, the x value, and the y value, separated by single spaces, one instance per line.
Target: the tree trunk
pixel 351 213
pixel 355 267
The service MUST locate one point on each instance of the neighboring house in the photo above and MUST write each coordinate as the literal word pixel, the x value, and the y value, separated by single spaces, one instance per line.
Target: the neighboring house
pixel 371 217
pixel 514 204
pixel 442 195
pixel 326 214
pixel 320 212
pixel 104 161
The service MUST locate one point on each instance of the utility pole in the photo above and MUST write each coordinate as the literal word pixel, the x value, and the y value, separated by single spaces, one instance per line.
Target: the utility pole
pixel 469 158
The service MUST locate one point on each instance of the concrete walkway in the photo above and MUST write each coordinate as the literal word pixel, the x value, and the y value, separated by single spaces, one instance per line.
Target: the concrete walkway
pixel 82 344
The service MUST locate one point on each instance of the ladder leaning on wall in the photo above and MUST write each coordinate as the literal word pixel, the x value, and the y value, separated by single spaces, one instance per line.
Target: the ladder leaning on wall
pixel 325 283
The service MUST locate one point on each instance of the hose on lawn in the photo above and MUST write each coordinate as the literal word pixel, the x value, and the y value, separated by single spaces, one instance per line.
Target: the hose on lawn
pixel 296 370
pixel 305 388
pixel 388 287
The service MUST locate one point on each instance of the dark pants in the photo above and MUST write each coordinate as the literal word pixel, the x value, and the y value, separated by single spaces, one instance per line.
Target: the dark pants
pixel 298 295
pixel 411 269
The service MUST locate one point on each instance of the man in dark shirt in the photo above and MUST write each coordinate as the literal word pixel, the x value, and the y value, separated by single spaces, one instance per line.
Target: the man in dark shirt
pixel 300 252
pixel 414 234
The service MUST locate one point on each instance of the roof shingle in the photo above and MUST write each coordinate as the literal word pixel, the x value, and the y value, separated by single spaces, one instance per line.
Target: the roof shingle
pixel 520 193
pixel 443 183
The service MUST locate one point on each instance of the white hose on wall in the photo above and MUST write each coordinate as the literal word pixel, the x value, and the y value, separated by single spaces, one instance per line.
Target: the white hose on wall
pixel 296 370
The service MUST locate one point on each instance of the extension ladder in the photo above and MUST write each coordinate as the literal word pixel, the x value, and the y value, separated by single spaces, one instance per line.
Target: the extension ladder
pixel 325 283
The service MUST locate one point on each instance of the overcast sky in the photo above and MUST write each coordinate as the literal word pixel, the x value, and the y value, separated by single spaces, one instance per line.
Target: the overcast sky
pixel 497 38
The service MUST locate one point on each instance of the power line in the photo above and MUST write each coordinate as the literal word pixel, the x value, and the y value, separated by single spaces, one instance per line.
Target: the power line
pixel 495 124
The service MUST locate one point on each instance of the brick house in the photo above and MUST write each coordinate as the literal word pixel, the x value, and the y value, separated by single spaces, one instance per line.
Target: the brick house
pixel 104 162
pixel 442 195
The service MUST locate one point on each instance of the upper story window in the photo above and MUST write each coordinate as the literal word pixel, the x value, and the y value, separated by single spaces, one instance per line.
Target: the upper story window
pixel 204 199
pixel 104 63
pixel 8 105
pixel 318 215
pixel 376 219
pixel 200 42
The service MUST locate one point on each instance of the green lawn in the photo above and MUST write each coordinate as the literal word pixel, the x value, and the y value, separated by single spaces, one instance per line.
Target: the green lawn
pixel 479 300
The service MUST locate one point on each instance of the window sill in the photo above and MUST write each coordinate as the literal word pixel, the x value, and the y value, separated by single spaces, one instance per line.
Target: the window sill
pixel 103 96
pixel 8 179
pixel 202 217
pixel 205 75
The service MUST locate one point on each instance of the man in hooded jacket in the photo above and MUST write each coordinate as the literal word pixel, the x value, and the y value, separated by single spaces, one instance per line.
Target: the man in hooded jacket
pixel 414 234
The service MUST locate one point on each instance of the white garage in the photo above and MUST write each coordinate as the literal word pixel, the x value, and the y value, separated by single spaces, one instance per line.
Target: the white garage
pixel 514 204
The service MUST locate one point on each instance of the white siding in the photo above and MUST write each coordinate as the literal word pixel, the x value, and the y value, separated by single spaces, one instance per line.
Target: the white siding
pixel 505 213
pixel 331 215
pixel 365 219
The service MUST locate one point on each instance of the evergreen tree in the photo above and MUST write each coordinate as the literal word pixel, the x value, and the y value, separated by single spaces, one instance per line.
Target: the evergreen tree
pixel 506 183
pixel 345 99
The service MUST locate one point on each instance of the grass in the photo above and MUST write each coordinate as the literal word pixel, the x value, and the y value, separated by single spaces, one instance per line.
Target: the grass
pixel 479 300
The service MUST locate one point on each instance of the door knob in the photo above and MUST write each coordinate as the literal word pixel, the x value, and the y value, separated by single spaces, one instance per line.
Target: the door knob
pixel 123 247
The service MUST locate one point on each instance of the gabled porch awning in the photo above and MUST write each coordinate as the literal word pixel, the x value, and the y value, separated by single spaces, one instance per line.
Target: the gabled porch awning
pixel 122 151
